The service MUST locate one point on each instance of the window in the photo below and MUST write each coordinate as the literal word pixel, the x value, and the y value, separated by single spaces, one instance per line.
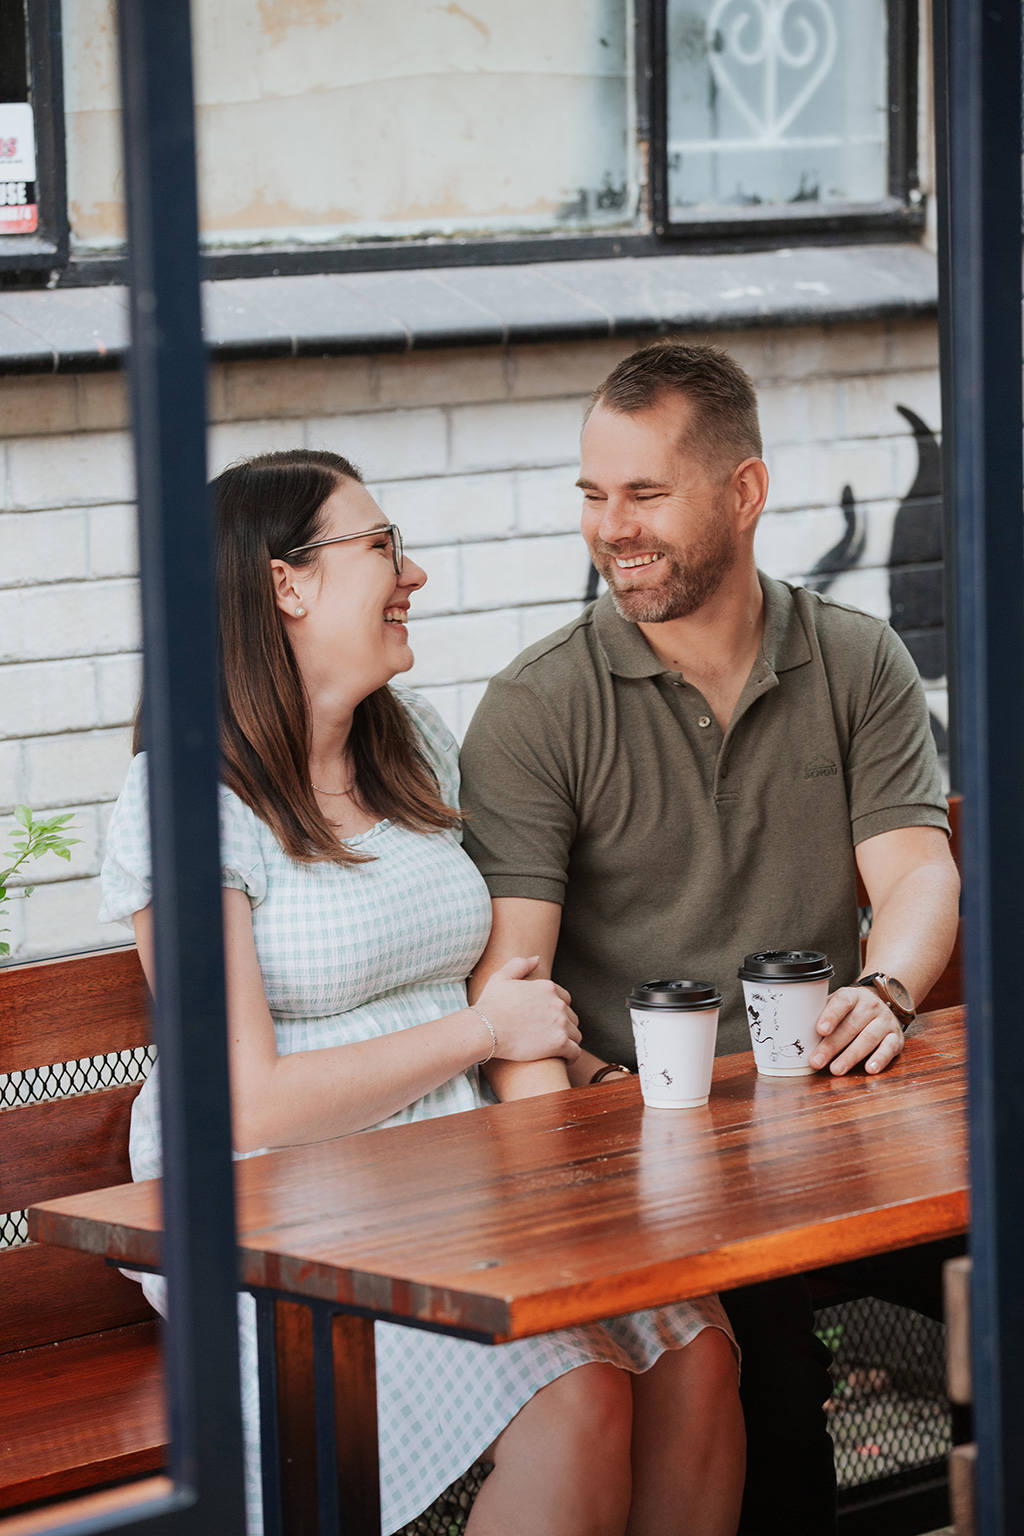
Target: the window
pixel 345 136
pixel 33 221
pixel 784 111
pixel 339 122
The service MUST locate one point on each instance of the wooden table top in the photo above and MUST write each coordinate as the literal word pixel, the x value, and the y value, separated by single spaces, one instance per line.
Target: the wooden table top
pixel 515 1219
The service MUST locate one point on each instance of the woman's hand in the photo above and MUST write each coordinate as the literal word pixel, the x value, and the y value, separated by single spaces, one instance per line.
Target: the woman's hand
pixel 533 1020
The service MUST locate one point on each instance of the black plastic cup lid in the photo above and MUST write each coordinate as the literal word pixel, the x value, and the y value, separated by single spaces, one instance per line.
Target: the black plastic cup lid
pixel 786 965
pixel 678 995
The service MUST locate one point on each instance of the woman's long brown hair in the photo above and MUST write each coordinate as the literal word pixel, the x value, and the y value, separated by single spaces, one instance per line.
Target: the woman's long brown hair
pixel 266 506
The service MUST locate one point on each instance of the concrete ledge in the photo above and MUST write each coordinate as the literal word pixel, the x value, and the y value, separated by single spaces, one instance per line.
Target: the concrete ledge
pixel 77 329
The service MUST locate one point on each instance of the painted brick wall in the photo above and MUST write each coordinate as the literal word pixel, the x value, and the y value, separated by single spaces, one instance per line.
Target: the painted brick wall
pixel 474 454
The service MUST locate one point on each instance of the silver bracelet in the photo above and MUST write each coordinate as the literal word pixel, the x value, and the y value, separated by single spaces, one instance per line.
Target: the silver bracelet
pixel 490 1030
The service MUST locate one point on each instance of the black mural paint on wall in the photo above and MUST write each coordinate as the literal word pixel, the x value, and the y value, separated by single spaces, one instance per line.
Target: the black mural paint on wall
pixel 844 555
pixel 915 560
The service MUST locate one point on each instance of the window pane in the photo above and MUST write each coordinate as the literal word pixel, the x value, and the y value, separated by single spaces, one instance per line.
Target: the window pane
pixel 776 102
pixel 350 119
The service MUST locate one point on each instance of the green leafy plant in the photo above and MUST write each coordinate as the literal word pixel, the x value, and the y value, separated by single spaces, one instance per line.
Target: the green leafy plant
pixel 36 835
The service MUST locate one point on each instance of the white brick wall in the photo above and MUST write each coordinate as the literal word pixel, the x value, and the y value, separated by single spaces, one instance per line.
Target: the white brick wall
pixel 473 453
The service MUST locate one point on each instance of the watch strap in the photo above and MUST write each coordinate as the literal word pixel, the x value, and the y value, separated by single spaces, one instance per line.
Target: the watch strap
pixel 607 1070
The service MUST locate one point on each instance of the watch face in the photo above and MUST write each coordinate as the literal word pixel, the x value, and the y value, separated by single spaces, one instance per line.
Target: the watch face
pixel 899 994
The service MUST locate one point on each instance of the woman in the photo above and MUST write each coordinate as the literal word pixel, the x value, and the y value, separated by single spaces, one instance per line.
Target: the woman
pixel 351 918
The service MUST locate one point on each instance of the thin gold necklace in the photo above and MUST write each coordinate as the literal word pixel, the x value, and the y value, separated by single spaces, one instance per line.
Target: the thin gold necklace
pixel 335 792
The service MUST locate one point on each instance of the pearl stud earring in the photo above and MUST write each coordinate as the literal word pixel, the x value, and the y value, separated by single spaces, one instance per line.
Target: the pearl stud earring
pixel 300 613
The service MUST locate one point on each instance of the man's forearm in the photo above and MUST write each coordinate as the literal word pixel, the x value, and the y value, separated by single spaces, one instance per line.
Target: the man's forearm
pixel 520 927
pixel 913 931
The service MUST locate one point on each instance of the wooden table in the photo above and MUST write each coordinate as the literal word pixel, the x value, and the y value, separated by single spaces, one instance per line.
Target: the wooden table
pixel 548 1212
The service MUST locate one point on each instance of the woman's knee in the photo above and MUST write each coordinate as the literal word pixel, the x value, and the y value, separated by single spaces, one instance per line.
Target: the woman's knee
pixel 713 1357
pixel 594 1408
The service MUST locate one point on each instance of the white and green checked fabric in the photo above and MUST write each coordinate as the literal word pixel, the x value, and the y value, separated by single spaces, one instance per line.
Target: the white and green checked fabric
pixel 349 953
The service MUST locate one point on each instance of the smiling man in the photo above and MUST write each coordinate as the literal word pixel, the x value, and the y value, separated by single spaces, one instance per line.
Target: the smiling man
pixel 696 769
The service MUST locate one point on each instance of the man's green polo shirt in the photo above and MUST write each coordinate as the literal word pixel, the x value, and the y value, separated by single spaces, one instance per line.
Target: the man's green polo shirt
pixel 594 778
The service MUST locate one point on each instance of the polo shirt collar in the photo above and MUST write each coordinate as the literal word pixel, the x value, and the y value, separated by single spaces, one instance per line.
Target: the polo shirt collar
pixel 784 645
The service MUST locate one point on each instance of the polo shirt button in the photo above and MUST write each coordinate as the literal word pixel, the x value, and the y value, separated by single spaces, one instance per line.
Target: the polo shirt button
pixel 704 720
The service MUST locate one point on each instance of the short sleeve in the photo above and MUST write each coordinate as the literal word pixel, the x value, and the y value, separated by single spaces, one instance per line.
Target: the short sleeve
pixel 435 741
pixel 125 877
pixel 892 768
pixel 520 814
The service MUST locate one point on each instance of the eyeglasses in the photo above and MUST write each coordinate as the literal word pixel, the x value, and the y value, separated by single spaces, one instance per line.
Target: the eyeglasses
pixel 394 538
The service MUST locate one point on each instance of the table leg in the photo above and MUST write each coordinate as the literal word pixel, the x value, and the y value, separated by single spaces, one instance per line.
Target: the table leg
pixel 294 1352
pixel 355 1415
pixel 318 1420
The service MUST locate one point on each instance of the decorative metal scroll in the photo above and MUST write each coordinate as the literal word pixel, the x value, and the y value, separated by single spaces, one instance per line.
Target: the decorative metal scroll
pixel 791 43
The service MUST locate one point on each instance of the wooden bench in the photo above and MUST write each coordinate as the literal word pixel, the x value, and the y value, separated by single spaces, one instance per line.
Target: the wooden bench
pixel 81 1394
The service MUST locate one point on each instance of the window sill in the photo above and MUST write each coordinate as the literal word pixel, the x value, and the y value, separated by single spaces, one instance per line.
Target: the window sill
pixel 77 329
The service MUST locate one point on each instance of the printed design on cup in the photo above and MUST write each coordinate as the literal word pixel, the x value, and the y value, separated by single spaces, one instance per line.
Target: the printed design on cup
pixel 764 1026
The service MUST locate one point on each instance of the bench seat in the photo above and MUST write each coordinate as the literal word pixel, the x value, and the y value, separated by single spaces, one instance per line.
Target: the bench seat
pixel 81 1413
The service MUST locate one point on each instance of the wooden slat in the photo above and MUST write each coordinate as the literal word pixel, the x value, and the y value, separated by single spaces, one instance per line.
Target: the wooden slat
pixel 956 1287
pixel 355 1417
pixel 73 1416
pixel 136 1497
pixel 62 1010
pixel 51 1294
pixel 574 1206
pixel 293 1332
pixel 963 1471
pixel 63 1146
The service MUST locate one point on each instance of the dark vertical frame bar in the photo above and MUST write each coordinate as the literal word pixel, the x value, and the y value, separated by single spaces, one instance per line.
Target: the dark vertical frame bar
pixel 657 105
pixel 46 85
pixel 940 98
pixel 903 43
pixel 168 370
pixel 984 62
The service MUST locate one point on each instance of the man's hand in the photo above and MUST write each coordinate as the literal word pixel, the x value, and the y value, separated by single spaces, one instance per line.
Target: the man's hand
pixel 855 1024
pixel 912 886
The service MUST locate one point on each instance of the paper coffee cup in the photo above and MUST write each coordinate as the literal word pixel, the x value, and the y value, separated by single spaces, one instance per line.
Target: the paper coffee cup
pixel 784 991
pixel 675 1024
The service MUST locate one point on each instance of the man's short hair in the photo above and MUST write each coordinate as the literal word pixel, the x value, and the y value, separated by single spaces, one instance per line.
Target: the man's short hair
pixel 725 427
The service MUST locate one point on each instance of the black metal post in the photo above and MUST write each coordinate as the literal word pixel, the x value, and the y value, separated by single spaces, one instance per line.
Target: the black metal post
pixel 168 369
pixel 985 359
pixel 940 97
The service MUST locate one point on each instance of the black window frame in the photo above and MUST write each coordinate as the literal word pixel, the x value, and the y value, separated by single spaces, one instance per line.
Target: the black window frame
pixel 901 216
pixel 902 210
pixel 48 246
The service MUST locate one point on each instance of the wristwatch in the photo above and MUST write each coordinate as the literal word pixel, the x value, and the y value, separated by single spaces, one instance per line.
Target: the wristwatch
pixel 607 1070
pixel 894 994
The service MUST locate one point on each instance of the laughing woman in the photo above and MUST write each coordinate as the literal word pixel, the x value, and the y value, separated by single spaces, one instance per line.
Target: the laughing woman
pixel 352 917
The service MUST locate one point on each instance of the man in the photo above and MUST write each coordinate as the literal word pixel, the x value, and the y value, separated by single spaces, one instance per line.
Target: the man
pixel 693 770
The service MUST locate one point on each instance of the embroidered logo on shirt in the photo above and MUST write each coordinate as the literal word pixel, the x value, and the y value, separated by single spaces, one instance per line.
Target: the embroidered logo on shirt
pixel 820 768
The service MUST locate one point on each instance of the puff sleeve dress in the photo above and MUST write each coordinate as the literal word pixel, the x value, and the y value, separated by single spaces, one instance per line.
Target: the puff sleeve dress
pixel 348 953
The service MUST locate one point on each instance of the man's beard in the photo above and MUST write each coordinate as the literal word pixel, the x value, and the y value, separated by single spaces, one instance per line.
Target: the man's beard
pixel 682 590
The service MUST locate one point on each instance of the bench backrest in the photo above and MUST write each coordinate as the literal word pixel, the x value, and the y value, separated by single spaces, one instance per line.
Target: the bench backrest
pixel 53 1012
pixel 948 991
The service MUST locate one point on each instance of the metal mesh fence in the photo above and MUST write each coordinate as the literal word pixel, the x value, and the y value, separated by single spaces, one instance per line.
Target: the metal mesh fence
pixel 889 1414
pixel 449 1512
pixel 58 1082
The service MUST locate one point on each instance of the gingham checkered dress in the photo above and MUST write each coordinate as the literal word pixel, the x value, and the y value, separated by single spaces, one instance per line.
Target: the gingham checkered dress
pixel 350 953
